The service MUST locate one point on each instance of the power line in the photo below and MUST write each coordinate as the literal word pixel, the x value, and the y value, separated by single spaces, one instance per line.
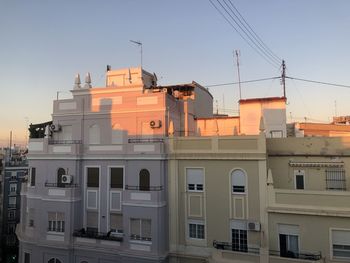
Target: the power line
pixel 254 33
pixel 247 32
pixel 241 35
pixel 235 83
pixel 320 82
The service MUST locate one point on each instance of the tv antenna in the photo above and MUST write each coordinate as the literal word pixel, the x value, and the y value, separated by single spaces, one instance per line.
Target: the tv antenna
pixel 139 43
pixel 236 54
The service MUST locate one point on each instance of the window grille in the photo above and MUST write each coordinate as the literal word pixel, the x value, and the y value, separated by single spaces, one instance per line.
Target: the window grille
pixel 335 179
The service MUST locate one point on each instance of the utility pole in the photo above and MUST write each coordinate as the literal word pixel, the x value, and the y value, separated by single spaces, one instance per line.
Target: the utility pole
pixel 236 54
pixel 283 76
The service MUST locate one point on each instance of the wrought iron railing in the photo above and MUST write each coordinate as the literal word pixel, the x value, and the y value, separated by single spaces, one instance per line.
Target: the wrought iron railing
pixel 137 237
pixel 297 255
pixel 65 141
pixel 61 185
pixel 145 140
pixel 144 188
pixel 97 235
pixel 232 247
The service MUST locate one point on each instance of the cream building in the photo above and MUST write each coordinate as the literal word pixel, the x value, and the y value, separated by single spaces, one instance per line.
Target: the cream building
pixel 252 199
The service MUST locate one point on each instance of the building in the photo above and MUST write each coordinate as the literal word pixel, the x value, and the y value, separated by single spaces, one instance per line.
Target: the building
pixel 136 172
pixel 98 184
pixel 15 170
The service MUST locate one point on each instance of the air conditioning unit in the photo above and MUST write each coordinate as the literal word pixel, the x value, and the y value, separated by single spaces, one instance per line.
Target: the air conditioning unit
pixel 55 127
pixel 66 179
pixel 253 226
pixel 155 124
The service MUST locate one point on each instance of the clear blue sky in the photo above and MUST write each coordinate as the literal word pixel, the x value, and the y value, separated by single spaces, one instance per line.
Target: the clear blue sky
pixel 43 44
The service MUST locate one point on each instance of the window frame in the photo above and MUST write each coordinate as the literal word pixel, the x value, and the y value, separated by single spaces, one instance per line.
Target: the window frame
pixel 140 238
pixel 54 226
pixel 298 172
pixel 197 188
pixel 245 182
pixel 196 223
pixel 110 178
pixel 331 244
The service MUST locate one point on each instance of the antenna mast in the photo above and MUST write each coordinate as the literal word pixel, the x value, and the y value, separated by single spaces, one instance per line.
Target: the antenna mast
pixel 238 73
pixel 139 43
pixel 283 76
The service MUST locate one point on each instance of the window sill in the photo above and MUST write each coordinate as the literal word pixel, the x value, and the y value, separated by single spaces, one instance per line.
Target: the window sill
pixel 55 233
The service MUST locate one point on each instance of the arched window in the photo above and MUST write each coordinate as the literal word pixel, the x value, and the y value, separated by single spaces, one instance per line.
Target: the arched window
pixel 238 181
pixel 60 172
pixel 54 260
pixel 144 179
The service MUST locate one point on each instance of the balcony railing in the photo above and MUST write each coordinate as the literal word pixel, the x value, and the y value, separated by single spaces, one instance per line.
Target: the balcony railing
pixel 65 141
pixel 97 235
pixel 61 185
pixel 231 247
pixel 297 255
pixel 137 237
pixel 144 188
pixel 145 140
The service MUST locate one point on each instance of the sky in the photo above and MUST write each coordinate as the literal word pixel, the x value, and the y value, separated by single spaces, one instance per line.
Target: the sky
pixel 43 44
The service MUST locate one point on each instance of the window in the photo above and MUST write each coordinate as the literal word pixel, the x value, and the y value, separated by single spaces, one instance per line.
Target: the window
pixel 92 222
pixel 11 228
pixel 32 176
pixel 54 260
pixel 335 179
pixel 341 244
pixel 11 214
pixel 299 179
pixel 288 240
pixel 12 202
pixel 13 176
pixel 238 181
pixel 196 230
pixel 94 134
pixel 195 179
pixel 144 180
pixel 56 221
pixel 13 188
pixel 60 172
pixel 239 235
pixel 276 134
pixel 93 177
pixel 116 223
pixel 140 229
pixel 92 202
pixel 26 257
pixel 115 201
pixel 117 177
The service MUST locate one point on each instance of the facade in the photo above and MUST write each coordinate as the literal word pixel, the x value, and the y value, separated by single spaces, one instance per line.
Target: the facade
pixel 97 191
pixel 136 172
pixel 15 170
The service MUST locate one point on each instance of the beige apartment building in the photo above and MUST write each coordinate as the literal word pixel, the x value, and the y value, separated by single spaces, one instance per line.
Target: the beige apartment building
pixel 256 199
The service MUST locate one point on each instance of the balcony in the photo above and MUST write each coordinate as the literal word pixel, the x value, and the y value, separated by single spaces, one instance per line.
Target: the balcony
pixel 54 142
pixel 229 246
pixel 56 185
pixel 144 188
pixel 301 255
pixel 97 235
